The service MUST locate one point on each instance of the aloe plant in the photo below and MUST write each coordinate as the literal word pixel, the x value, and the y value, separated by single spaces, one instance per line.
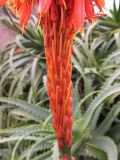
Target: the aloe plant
pixel 27 52
pixel 28 132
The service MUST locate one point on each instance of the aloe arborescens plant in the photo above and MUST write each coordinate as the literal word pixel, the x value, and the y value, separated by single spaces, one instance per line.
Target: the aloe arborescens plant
pixel 60 20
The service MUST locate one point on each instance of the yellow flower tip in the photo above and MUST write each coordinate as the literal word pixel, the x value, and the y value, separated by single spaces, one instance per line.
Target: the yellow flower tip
pixel 81 30
pixel 93 20
pixel 74 36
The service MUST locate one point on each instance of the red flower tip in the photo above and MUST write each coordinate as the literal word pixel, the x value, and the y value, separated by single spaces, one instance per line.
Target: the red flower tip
pixel 100 3
pixel 75 11
pixel 2 2
pixel 78 14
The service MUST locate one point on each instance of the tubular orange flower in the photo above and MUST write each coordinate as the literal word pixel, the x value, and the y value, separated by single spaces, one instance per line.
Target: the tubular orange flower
pixel 60 20
pixel 100 4
pixel 2 2
pixel 78 14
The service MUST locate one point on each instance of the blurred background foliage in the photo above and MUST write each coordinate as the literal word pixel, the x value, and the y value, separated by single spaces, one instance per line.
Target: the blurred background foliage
pixel 26 131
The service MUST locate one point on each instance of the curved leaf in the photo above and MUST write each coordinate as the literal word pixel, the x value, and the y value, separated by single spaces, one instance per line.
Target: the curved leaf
pixel 107 145
pixel 39 112
pixel 104 126
pixel 97 101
